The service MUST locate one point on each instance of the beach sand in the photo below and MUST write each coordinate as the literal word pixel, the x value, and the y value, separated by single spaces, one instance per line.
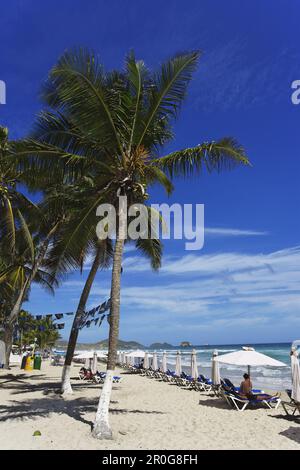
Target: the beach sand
pixel 145 414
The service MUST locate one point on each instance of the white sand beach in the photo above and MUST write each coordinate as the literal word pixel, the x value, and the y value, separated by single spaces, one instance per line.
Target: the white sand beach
pixel 145 414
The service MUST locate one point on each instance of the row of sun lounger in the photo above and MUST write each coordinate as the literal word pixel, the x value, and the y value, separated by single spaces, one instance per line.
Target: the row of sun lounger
pixel 201 384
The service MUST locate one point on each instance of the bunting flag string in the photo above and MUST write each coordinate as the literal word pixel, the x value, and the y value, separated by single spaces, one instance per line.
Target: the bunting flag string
pixel 85 320
pixel 56 316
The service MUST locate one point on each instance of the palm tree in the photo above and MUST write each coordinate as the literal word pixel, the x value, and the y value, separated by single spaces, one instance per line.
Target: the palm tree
pixel 31 329
pixel 15 210
pixel 112 127
pixel 35 234
pixel 18 274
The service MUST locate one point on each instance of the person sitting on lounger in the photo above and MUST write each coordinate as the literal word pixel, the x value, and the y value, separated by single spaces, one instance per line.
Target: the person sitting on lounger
pixel 246 387
pixel 246 391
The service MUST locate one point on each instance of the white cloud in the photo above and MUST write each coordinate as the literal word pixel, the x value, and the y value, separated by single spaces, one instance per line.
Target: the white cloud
pixel 216 289
pixel 232 232
pixel 223 264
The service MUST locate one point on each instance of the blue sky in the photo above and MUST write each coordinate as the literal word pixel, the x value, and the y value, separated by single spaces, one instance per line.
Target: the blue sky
pixel 244 286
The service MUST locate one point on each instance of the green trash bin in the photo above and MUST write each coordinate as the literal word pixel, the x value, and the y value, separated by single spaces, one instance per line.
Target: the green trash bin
pixel 37 362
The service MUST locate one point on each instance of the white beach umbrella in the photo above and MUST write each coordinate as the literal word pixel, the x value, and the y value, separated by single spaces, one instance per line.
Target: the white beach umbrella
pixel 154 361
pixel 295 369
pixel 84 355
pixel 146 361
pixel 250 358
pixel 94 365
pixel 164 362
pixel 87 355
pixel 194 366
pixel 87 362
pixel 178 369
pixel 138 353
pixel 215 369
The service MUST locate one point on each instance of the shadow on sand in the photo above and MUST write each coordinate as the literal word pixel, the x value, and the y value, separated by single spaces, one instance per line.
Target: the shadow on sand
pixel 34 408
pixel 292 433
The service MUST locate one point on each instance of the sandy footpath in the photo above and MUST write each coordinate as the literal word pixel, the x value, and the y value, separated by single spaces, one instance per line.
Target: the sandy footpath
pixel 145 414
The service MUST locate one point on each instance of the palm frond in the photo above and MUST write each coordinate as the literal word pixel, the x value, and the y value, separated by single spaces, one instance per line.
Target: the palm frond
pixel 154 174
pixel 76 86
pixel 27 236
pixel 213 156
pixel 169 89
pixel 136 74
pixel 152 249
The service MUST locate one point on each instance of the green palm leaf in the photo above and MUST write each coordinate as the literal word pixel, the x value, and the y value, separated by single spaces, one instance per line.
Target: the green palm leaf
pixel 224 154
pixel 169 89
pixel 77 86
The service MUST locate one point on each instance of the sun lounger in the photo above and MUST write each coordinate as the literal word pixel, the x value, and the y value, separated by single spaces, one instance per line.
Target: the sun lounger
pixel 159 375
pixel 240 403
pixel 99 377
pixel 169 376
pixel 290 407
pixel 206 383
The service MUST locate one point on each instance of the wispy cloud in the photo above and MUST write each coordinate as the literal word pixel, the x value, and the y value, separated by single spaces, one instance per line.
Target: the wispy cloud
pixel 225 264
pixel 228 80
pixel 232 232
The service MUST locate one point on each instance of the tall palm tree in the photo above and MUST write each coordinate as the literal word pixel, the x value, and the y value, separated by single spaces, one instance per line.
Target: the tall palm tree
pixel 112 127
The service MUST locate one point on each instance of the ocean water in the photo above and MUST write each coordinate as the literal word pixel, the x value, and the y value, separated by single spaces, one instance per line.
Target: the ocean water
pixel 262 377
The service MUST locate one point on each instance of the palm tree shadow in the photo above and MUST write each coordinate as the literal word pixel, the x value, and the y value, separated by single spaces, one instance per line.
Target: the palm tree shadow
pixel 123 411
pixel 48 388
pixel 20 378
pixel 44 407
pixel 19 384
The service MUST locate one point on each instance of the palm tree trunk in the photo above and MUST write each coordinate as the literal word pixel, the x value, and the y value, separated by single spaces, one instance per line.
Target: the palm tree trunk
pixel 10 323
pixel 66 387
pixel 101 428
pixel 8 340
